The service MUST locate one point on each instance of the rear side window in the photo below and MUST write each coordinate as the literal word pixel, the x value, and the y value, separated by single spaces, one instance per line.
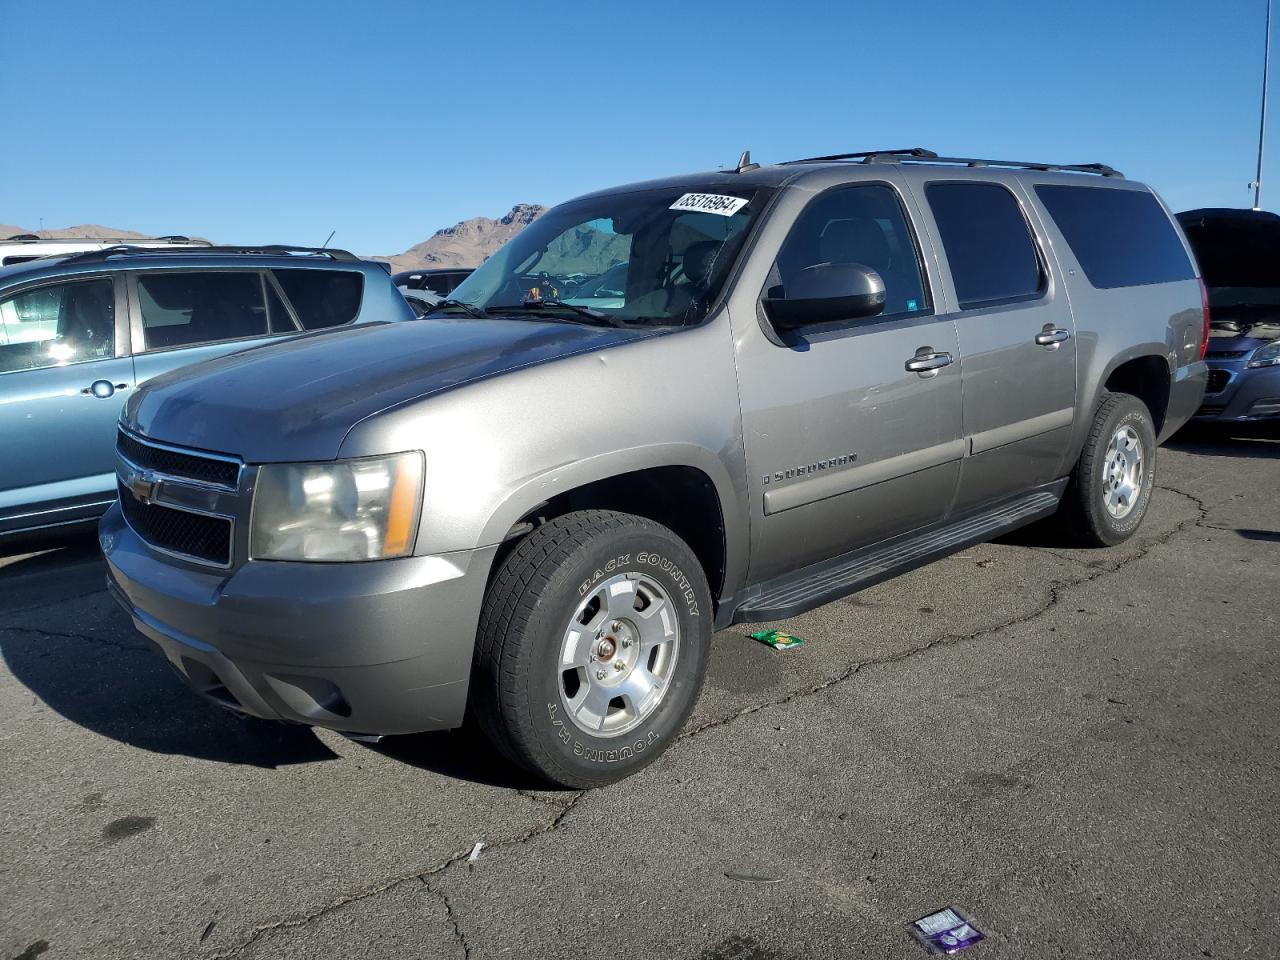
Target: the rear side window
pixel 1122 238
pixel 181 309
pixel 323 298
pixel 987 241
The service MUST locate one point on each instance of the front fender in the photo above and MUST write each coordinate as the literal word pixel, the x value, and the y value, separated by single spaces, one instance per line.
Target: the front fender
pixel 566 477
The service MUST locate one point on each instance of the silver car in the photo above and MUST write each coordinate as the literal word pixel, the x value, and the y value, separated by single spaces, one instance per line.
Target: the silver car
pixel 79 333
pixel 815 375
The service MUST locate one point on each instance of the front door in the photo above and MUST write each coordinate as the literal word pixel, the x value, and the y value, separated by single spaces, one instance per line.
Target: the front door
pixel 846 444
pixel 1017 340
pixel 64 376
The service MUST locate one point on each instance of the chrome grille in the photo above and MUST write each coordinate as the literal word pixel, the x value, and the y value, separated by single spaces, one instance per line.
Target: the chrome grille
pixel 191 466
pixel 178 531
pixel 180 501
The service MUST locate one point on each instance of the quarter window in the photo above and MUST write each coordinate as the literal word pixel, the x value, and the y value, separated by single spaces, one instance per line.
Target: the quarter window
pixel 988 243
pixel 323 298
pixel 57 324
pixel 862 224
pixel 180 309
pixel 1122 238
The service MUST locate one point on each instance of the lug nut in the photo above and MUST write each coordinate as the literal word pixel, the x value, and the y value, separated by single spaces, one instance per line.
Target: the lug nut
pixel 601 674
pixel 626 642
pixel 619 665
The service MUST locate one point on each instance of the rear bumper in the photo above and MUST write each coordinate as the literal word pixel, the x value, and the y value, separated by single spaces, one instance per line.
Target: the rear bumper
pixel 1185 396
pixel 1249 395
pixel 375 648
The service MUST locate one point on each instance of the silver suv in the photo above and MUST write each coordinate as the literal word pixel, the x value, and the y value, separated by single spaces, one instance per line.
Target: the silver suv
pixel 539 505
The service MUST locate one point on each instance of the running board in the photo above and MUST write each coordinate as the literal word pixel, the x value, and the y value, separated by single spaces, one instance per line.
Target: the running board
pixel 831 579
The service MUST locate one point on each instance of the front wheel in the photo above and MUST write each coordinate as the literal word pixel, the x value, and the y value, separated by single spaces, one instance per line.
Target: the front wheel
pixel 592 647
pixel 1113 480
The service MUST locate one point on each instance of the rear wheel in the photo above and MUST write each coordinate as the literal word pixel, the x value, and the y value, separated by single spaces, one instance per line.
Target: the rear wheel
pixel 592 646
pixel 1113 480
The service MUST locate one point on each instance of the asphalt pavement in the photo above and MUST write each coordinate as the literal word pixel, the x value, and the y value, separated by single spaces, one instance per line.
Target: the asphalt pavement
pixel 1080 749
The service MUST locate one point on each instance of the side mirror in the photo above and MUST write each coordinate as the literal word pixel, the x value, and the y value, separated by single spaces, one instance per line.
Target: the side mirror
pixel 827 293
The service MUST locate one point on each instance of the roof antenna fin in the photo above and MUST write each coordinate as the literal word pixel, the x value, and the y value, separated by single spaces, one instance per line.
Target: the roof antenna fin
pixel 745 164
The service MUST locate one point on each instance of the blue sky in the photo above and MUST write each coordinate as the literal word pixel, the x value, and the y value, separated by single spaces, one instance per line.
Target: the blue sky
pixel 278 121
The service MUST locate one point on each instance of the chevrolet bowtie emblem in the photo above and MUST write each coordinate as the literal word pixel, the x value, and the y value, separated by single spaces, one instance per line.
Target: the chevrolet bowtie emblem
pixel 144 486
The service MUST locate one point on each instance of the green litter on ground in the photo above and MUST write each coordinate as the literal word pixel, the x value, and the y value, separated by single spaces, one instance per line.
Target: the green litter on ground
pixel 777 639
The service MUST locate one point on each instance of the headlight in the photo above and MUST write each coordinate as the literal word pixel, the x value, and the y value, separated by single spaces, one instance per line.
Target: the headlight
pixel 347 510
pixel 1267 355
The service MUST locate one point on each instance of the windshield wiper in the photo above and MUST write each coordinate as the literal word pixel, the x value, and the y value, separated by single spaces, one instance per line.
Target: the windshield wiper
pixel 594 317
pixel 462 305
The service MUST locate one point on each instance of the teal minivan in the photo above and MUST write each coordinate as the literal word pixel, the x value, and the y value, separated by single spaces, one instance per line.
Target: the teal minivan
pixel 79 333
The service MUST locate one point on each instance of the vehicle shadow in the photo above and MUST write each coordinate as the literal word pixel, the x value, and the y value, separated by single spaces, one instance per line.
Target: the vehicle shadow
pixel 1248 441
pixel 65 640
pixel 463 754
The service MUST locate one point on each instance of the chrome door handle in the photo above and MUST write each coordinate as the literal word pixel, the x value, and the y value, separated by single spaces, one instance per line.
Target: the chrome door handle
pixel 1052 336
pixel 927 363
pixel 103 389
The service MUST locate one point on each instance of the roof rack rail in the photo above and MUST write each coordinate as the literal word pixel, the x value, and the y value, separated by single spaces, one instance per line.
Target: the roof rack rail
pixel 871 155
pixel 928 156
pixel 263 250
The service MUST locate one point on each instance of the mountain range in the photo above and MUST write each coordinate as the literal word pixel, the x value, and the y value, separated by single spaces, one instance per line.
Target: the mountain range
pixel 465 244
pixel 468 243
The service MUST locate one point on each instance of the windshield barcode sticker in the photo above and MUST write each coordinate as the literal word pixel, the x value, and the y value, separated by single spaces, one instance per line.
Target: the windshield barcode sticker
pixel 719 203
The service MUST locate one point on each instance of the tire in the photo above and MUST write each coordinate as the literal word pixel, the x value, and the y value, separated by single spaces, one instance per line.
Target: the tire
pixel 1094 510
pixel 625 601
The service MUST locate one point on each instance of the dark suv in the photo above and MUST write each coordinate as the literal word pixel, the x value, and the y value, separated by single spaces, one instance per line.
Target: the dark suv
pixel 79 332
pixel 1237 254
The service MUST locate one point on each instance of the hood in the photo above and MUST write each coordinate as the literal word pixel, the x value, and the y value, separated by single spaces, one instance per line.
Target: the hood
pixel 297 399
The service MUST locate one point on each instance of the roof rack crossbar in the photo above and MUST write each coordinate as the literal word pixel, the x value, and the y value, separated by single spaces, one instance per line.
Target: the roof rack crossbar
pixel 266 250
pixel 919 154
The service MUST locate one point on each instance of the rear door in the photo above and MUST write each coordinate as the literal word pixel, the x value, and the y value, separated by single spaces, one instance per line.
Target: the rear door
pixel 65 373
pixel 845 445
pixel 180 317
pixel 1016 334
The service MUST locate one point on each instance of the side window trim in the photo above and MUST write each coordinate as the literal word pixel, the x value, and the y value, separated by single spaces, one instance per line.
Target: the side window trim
pixel 269 278
pixel 1042 262
pixel 849 326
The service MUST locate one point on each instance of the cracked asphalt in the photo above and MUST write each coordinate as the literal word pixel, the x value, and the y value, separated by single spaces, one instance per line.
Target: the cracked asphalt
pixel 1078 748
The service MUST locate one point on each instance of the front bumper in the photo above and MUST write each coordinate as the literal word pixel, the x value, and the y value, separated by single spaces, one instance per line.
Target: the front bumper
pixel 376 648
pixel 1248 394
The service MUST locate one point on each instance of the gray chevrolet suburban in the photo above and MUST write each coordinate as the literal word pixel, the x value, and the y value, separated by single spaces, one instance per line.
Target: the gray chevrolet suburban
pixel 536 506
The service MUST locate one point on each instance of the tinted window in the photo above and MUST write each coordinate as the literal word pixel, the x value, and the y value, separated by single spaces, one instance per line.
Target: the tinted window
pixel 987 242
pixel 322 298
pixel 863 224
pixel 57 324
pixel 1122 238
pixel 179 309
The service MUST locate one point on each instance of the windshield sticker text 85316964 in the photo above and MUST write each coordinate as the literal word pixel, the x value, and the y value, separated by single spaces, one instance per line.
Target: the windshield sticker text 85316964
pixel 717 203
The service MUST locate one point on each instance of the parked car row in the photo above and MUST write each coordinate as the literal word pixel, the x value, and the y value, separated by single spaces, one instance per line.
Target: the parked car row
pixel 425 288
pixel 660 409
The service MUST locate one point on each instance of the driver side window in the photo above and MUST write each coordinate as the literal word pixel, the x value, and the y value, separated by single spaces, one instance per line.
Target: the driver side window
pixel 862 224
pixel 57 324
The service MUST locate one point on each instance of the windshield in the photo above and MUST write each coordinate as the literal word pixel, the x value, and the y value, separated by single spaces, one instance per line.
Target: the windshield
pixel 647 257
